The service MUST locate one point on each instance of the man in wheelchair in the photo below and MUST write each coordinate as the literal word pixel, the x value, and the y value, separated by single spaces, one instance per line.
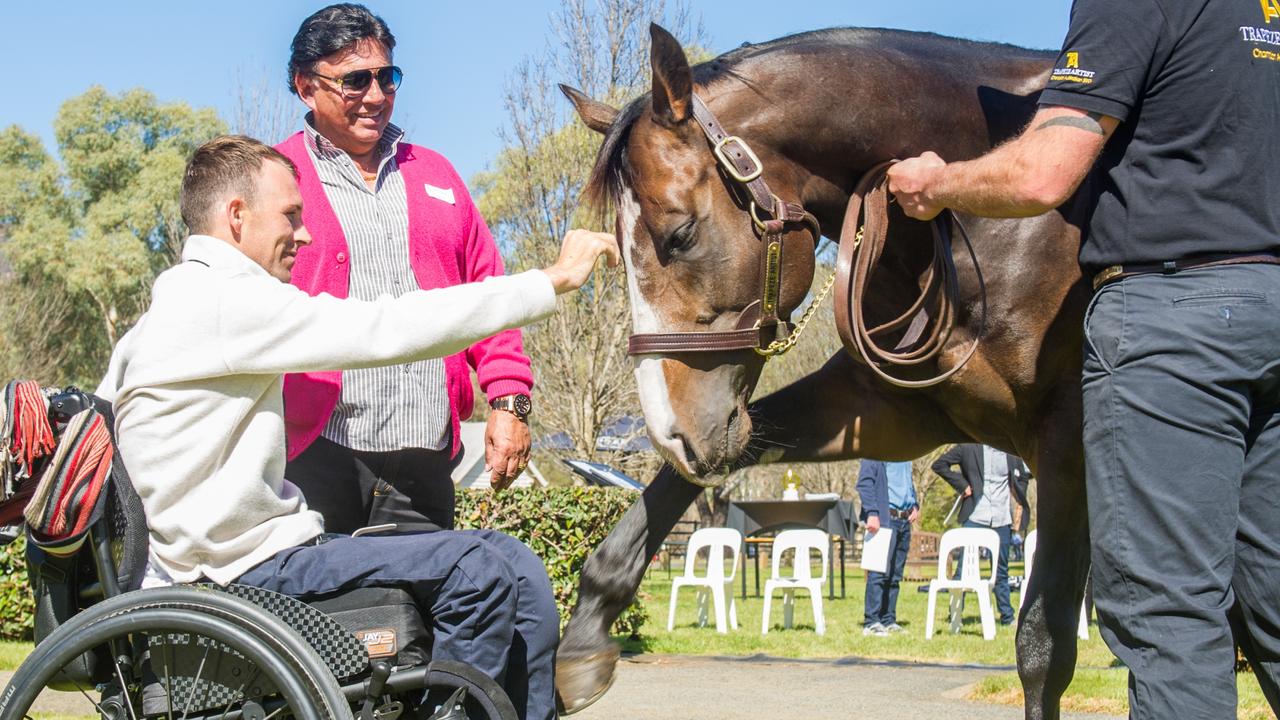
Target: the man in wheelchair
pixel 196 390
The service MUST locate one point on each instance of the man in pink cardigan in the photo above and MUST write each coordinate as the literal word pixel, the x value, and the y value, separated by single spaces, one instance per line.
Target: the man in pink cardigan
pixel 376 446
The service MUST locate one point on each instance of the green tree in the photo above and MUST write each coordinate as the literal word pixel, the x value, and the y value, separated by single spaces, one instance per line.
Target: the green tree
pixel 82 244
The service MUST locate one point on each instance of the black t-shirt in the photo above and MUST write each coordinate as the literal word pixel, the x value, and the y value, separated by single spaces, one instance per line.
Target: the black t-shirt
pixel 1194 167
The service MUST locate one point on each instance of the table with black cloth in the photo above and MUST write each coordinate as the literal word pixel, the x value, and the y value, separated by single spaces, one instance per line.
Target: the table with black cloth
pixel 754 518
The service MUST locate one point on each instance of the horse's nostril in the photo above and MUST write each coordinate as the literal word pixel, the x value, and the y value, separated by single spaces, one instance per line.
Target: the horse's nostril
pixel 689 455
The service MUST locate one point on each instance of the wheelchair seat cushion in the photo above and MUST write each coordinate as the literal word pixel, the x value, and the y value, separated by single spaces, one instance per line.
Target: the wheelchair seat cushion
pixel 385 619
pixel 336 645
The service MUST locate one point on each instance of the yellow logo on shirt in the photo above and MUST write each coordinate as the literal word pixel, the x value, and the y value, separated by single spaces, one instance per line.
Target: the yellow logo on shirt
pixel 1270 9
pixel 1071 72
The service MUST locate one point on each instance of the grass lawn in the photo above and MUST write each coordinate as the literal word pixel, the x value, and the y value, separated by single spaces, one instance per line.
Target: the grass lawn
pixel 1106 691
pixel 1100 684
pixel 13 653
pixel 844 628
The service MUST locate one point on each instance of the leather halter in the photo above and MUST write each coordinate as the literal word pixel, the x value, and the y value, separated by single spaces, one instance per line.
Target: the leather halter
pixel 930 320
pixel 758 324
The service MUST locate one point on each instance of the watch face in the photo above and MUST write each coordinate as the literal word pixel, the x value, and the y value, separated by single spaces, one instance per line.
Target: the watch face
pixel 523 405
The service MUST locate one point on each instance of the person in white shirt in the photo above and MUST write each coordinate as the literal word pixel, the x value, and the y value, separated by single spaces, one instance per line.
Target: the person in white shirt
pixel 196 387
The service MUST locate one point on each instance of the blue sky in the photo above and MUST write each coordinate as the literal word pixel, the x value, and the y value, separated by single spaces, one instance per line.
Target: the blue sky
pixel 456 55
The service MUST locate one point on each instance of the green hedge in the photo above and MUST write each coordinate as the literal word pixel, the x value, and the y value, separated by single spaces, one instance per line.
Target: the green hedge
pixel 17 608
pixel 562 525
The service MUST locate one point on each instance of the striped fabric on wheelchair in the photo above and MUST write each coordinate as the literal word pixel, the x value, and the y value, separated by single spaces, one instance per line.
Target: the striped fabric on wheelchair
pixel 59 507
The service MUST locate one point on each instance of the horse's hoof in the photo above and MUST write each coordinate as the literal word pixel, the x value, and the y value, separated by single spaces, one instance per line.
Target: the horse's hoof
pixel 583 680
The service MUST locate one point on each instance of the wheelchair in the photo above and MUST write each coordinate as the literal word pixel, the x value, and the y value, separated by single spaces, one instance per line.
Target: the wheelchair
pixel 107 649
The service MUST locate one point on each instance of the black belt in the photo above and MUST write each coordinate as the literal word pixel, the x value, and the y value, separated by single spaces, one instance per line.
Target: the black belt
pixel 1118 272
pixel 899 514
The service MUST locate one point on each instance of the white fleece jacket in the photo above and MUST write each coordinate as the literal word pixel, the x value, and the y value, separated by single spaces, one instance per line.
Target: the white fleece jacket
pixel 197 382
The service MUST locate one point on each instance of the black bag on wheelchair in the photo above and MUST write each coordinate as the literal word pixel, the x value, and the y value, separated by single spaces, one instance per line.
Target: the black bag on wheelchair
pixel 60 478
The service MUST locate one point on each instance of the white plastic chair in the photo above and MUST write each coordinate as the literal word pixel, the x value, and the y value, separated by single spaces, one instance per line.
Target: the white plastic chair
pixel 971 541
pixel 716 584
pixel 800 542
pixel 1028 558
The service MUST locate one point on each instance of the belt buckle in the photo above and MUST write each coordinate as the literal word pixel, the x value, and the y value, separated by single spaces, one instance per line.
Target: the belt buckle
pixel 1107 276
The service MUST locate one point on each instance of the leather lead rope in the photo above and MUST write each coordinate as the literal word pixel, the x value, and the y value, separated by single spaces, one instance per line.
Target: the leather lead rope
pixel 930 320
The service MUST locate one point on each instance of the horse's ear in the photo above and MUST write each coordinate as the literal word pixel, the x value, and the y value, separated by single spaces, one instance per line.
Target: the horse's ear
pixel 672 78
pixel 595 115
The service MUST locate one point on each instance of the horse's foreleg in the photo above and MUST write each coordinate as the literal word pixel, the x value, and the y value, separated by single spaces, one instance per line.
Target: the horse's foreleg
pixel 1046 641
pixel 587 657
pixel 840 411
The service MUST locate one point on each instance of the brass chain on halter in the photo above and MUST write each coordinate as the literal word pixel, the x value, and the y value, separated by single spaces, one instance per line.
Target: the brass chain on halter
pixel 778 348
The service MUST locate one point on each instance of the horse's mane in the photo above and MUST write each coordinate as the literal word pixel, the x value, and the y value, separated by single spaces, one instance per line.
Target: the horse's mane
pixel 611 168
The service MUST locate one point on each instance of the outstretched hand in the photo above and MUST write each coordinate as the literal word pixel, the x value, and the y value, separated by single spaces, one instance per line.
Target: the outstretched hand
pixel 578 254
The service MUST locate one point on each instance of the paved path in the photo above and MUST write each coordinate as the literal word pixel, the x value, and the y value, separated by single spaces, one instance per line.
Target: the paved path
pixel 675 687
pixel 59 703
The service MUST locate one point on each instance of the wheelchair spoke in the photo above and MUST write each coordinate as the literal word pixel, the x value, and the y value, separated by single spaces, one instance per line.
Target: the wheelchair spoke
pixel 96 706
pixel 240 690
pixel 238 696
pixel 195 683
pixel 168 679
pixel 124 686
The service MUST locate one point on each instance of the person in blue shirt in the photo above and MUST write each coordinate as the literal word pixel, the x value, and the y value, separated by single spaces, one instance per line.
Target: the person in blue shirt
pixel 888 498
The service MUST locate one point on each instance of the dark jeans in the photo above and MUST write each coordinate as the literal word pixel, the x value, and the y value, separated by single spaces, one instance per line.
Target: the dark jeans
pixel 354 488
pixel 1003 606
pixel 1182 449
pixel 412 488
pixel 882 588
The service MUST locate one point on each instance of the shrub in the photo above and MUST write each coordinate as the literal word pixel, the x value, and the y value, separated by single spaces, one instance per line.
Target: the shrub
pixel 17 607
pixel 562 526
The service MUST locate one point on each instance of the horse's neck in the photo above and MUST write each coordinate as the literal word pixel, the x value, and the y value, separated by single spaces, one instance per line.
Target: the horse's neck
pixel 836 118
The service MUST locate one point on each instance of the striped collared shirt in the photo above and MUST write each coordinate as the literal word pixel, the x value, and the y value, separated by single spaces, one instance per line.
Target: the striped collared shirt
pixel 401 406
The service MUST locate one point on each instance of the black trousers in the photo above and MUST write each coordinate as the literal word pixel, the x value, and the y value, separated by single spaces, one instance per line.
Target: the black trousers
pixel 354 489
pixel 1182 449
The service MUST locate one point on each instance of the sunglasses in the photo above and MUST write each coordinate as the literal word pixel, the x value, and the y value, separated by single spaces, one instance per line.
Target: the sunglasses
pixel 356 83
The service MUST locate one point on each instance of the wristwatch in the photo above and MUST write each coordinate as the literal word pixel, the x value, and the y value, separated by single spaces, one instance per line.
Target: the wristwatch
pixel 519 405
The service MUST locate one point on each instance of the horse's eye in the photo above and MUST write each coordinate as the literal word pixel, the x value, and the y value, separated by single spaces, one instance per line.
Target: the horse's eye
pixel 682 238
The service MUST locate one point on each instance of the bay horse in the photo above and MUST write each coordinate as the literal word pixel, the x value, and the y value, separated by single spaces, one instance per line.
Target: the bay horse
pixel 819 109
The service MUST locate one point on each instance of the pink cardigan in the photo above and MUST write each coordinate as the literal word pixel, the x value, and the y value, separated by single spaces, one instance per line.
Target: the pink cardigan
pixel 449 244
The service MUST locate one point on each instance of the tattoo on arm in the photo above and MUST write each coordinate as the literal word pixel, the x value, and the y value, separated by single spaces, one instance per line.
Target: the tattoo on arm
pixel 1090 123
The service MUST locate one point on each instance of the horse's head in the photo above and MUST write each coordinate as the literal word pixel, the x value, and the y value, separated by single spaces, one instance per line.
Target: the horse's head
pixel 694 258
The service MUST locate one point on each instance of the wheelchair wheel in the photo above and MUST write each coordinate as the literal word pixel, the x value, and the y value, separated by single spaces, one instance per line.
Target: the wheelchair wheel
pixel 484 698
pixel 164 661
pixel 279 636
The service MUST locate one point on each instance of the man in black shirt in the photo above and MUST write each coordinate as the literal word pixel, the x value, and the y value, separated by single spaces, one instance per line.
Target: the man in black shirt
pixel 1162 119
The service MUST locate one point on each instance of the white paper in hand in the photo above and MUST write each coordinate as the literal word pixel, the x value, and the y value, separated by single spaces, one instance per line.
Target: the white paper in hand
pixel 875 550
